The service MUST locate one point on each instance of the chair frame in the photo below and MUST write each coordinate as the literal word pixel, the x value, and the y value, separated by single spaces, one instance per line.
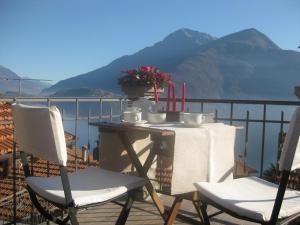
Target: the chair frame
pixel 72 210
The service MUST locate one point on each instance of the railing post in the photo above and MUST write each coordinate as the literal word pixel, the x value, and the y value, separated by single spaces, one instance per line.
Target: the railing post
pixel 110 114
pixel 89 143
pixel 48 167
pixel 62 114
pixel 14 183
pixel 280 142
pixel 121 106
pixel 281 122
pixel 101 109
pixel 263 140
pixel 231 112
pixel 246 141
pixel 76 132
pixel 48 172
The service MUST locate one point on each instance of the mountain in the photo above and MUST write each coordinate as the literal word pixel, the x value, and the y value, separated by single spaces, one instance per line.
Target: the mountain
pixel 83 92
pixel 164 54
pixel 245 64
pixel 9 87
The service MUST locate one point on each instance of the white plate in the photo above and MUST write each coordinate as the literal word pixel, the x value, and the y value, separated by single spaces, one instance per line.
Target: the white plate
pixel 134 123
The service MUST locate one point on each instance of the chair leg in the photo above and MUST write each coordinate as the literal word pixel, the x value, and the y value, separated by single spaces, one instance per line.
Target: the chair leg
pixel 198 210
pixel 45 212
pixel 203 208
pixel 126 209
pixel 73 218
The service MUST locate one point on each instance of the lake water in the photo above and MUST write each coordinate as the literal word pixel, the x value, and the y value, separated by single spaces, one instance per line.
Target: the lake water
pixel 89 134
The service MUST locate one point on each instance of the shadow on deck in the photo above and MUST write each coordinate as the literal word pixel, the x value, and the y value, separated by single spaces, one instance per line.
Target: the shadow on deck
pixel 144 213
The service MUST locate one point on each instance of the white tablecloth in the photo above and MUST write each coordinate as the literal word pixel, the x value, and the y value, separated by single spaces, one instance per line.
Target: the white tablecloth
pixel 201 154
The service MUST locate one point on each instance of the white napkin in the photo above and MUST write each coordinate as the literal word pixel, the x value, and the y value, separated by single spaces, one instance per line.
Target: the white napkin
pixel 201 154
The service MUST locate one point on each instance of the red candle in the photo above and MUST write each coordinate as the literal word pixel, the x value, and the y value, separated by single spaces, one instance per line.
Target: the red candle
pixel 174 97
pixel 155 92
pixel 183 97
pixel 168 97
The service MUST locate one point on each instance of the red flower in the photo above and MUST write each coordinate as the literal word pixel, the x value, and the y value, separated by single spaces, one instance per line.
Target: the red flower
pixel 147 69
pixel 131 72
pixel 144 76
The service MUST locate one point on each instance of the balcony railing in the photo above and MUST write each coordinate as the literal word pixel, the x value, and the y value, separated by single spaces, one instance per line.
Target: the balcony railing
pixel 262 121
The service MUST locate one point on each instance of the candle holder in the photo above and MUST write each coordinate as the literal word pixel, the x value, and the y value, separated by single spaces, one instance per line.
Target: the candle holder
pixel 173 116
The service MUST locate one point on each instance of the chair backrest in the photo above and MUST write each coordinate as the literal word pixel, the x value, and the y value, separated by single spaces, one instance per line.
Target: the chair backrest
pixel 40 132
pixel 290 156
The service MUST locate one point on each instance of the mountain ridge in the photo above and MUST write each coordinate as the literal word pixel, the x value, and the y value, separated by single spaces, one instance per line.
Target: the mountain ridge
pixel 233 66
pixel 122 63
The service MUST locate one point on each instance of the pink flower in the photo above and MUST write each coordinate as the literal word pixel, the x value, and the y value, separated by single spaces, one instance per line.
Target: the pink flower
pixel 131 72
pixel 144 76
pixel 147 69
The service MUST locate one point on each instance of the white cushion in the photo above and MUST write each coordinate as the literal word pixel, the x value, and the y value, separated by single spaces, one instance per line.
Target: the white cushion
pixel 251 197
pixel 40 132
pixel 91 185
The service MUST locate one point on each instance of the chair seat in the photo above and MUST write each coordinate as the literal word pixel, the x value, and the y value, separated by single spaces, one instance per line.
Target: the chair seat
pixel 88 186
pixel 250 197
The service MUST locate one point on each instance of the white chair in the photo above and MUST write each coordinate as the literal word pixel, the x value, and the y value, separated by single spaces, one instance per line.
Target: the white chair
pixel 257 200
pixel 39 131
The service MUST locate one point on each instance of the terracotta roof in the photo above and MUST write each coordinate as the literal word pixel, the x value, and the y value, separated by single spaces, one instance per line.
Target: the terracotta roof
pixel 5 107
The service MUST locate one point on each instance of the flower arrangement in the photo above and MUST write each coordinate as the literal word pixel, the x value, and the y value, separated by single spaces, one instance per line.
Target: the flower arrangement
pixel 144 76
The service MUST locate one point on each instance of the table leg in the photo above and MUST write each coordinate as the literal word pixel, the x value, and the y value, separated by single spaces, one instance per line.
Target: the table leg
pixel 136 162
pixel 192 196
pixel 174 210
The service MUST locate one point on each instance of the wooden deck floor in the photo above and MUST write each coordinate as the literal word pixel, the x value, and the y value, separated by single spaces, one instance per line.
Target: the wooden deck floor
pixel 144 213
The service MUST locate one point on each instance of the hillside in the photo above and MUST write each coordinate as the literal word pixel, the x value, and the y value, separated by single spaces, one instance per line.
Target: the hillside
pixel 10 87
pixel 246 64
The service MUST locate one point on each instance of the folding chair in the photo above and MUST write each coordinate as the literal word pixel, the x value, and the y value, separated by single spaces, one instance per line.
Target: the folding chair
pixel 257 200
pixel 40 133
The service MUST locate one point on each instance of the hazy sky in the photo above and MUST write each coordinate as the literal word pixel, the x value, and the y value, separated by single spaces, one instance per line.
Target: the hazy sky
pixel 55 39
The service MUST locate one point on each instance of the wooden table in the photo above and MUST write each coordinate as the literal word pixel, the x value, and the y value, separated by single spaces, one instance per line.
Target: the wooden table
pixel 157 136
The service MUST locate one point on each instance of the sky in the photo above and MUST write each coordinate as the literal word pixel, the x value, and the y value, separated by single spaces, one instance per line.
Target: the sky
pixel 55 39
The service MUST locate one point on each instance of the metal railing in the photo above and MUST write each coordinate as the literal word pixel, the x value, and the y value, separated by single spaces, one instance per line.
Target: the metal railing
pixel 247 121
pixel 240 112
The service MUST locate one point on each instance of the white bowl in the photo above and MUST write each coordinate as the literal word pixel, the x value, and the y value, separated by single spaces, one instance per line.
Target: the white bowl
pixel 193 118
pixel 156 117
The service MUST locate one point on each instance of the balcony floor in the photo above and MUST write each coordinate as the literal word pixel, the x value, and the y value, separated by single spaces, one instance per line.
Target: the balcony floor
pixel 144 213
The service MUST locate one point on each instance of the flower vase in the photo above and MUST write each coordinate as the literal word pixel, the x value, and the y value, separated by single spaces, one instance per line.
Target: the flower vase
pixel 133 93
pixel 150 92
